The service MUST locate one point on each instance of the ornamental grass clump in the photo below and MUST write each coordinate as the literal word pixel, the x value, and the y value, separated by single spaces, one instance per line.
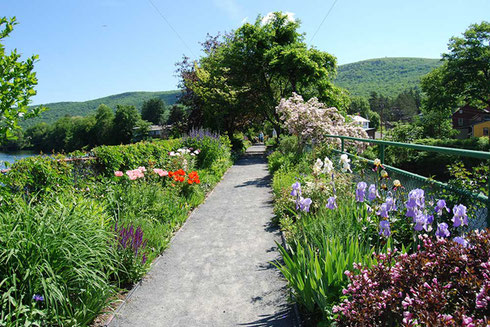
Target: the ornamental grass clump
pixel 444 283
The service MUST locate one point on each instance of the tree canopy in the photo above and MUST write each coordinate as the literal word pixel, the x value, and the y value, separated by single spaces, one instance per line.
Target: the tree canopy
pixel 245 74
pixel 17 81
pixel 153 110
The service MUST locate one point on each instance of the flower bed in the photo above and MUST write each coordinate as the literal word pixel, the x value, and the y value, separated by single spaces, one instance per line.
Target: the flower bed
pixel 334 224
pixel 71 236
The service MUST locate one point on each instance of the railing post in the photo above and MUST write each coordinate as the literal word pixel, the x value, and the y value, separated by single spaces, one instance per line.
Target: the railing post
pixel 382 153
pixel 342 145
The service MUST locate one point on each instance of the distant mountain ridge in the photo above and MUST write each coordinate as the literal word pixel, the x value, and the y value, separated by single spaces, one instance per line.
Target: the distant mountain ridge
pixel 387 76
pixel 84 108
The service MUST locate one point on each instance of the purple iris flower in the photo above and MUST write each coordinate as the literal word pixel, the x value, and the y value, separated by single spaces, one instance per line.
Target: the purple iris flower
pixel 303 204
pixel 383 210
pixel 420 222
pixel 372 193
pixel 331 203
pixel 361 191
pixel 296 189
pixel 384 228
pixel 390 203
pixel 441 204
pixel 415 202
pixel 460 240
pixel 442 230
pixel 38 298
pixel 459 212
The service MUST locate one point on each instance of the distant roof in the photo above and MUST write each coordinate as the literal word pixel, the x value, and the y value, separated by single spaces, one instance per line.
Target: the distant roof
pixel 359 119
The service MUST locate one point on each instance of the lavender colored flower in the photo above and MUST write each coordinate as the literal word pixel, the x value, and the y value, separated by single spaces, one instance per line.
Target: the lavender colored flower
pixel 442 230
pixel 384 228
pixel 361 191
pixel 331 203
pixel 38 298
pixel 372 193
pixel 415 202
pixel 459 212
pixel 296 189
pixel 421 222
pixel 391 204
pixel 441 204
pixel 303 204
pixel 383 210
pixel 460 240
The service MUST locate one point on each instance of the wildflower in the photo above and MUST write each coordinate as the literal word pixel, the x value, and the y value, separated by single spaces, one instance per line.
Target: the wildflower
pixel 441 204
pixel 460 240
pixel 442 230
pixel 303 204
pixel 372 193
pixel 296 189
pixel 384 228
pixel 331 203
pixel 384 174
pixel 118 173
pixel 317 167
pixel 459 212
pixel 327 166
pixel 38 298
pixel 361 191
pixel 396 184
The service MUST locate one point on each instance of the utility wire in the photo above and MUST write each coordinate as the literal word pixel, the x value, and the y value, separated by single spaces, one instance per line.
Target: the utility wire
pixel 171 27
pixel 324 18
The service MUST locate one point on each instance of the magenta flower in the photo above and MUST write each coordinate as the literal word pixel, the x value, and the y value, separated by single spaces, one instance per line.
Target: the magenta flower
pixel 361 191
pixel 384 228
pixel 459 212
pixel 331 203
pixel 442 230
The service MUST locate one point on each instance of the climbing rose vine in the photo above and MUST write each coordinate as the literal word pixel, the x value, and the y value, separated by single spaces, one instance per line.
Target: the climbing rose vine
pixel 311 120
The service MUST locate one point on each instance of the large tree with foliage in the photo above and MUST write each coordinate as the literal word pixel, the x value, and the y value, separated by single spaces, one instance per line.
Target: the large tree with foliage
pixel 153 110
pixel 17 81
pixel 125 120
pixel 104 121
pixel 245 74
pixel 464 78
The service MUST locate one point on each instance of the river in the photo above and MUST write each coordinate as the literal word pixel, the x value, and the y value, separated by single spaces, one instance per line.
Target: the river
pixel 11 157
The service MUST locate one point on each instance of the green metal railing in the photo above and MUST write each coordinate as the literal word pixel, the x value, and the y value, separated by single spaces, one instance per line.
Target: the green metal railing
pixel 484 200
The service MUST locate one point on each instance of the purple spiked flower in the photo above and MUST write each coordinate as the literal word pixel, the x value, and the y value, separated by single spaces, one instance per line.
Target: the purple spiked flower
pixel 38 298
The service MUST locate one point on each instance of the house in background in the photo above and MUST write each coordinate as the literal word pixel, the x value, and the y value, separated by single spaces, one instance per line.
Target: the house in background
pixel 365 125
pixel 481 129
pixel 470 121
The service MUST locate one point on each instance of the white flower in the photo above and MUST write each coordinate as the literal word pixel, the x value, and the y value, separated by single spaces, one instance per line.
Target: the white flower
pixel 317 167
pixel 377 162
pixel 327 166
pixel 344 159
pixel 172 154
pixel 346 167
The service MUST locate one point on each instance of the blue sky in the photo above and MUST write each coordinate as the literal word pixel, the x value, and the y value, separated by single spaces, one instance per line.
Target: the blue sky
pixel 94 48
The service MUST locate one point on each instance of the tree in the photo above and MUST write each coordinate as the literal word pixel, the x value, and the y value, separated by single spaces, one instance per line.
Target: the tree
pixel 125 120
pixel 153 110
pixel 245 74
pixel 464 78
pixel 103 128
pixel 17 81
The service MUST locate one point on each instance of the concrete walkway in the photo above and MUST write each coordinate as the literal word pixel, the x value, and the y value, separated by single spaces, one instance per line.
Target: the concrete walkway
pixel 217 270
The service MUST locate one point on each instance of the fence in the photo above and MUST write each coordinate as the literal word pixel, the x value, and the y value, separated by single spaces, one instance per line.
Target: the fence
pixel 478 204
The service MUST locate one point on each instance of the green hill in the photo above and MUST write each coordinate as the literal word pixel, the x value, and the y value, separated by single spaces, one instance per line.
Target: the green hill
pixel 387 76
pixel 60 109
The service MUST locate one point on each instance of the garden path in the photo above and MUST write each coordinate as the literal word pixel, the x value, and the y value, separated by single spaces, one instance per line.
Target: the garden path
pixel 217 270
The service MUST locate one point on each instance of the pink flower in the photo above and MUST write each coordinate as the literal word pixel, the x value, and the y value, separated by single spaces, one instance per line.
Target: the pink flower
pixel 118 173
pixel 160 172
pixel 132 176
pixel 142 169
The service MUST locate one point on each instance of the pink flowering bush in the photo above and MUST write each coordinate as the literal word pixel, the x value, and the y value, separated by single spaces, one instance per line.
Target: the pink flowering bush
pixel 311 120
pixel 444 283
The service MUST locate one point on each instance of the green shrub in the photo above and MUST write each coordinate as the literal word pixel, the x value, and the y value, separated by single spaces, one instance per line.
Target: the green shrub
pixel 58 250
pixel 212 148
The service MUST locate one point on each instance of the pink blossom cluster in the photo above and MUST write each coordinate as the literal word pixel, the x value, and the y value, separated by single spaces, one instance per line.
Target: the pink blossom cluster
pixel 442 284
pixel 140 173
pixel 312 120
